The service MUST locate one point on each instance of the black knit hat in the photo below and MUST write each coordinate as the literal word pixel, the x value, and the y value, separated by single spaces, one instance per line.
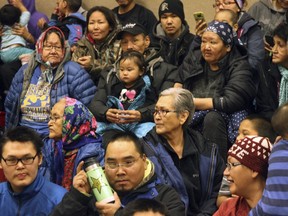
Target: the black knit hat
pixel 172 6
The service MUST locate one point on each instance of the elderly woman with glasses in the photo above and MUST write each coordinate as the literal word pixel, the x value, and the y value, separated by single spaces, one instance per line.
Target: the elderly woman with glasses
pixel 38 85
pixel 48 77
pixel 182 157
pixel 220 78
pixel 72 127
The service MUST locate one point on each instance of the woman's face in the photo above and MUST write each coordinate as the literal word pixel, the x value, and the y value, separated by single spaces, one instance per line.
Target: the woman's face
pixel 56 120
pixel 226 4
pixel 280 52
pixel 213 48
pixel 52 50
pixel 98 26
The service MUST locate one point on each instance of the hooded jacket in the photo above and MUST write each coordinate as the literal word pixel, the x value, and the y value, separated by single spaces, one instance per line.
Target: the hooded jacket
pixel 35 16
pixel 70 79
pixel 251 37
pixel 39 198
pixel 173 51
pixel 267 15
pixel 73 26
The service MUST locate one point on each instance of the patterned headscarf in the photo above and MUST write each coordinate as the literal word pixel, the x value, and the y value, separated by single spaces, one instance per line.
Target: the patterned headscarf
pixel 79 126
pixel 48 72
pixel 224 30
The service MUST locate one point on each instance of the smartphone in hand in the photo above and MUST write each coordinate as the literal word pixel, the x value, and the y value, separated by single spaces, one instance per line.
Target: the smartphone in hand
pixel 199 16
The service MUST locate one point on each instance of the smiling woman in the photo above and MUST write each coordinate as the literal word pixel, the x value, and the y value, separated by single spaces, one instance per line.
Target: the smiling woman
pixel 99 48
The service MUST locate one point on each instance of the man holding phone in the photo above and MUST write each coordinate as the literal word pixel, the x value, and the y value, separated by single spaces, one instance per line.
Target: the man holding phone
pixel 172 32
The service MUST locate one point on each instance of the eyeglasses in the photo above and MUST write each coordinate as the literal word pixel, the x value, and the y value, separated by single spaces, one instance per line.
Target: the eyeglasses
pixel 15 161
pixel 125 164
pixel 230 165
pixel 50 47
pixel 54 118
pixel 162 112
pixel 224 3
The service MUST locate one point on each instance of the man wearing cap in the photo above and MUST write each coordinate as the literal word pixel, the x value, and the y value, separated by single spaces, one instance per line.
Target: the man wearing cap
pixel 129 11
pixel 134 37
pixel 172 32
pixel 246 172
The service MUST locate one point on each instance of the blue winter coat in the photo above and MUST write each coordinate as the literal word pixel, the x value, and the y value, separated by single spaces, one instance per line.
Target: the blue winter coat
pixel 207 169
pixel 70 79
pixel 39 198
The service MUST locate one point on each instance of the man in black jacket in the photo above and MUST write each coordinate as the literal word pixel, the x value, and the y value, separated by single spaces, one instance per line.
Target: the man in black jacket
pixel 172 32
pixel 129 173
pixel 134 37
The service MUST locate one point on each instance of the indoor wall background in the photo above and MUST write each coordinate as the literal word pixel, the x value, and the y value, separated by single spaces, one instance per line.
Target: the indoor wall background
pixel 190 6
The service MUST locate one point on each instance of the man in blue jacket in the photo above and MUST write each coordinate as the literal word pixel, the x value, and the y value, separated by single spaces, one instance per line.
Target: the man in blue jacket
pixel 26 192
pixel 182 157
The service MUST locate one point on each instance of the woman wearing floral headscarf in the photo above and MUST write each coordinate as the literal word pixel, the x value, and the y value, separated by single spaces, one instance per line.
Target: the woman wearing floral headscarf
pixel 73 127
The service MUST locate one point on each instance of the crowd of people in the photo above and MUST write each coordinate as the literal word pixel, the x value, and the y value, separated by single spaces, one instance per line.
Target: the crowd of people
pixel 159 108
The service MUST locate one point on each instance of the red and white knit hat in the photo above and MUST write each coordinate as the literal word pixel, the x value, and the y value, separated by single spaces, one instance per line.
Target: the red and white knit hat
pixel 253 152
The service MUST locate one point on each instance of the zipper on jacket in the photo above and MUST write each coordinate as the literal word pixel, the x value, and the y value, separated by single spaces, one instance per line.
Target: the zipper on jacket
pixel 19 207
pixel 213 165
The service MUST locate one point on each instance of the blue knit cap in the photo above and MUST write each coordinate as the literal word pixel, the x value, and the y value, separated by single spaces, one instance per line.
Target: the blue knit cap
pixel 224 30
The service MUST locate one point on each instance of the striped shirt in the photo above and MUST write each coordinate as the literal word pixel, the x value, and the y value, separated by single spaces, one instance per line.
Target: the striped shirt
pixel 275 196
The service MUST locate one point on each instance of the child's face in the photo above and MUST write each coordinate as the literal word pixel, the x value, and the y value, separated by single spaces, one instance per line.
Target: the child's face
pixel 129 72
pixel 246 128
pixel 224 16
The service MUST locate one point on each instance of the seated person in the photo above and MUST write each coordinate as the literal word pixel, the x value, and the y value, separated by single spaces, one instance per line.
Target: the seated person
pixel 37 86
pixel 182 157
pixel 129 173
pixel 221 81
pixel 35 16
pixel 47 78
pixel 172 32
pixel 68 19
pixel 130 11
pixel 26 192
pixel 72 126
pixel 272 91
pixel 162 75
pixel 148 207
pixel 248 32
pixel 252 125
pixel 13 45
pixel 97 51
pixel 274 198
pixel 246 172
pixel 119 92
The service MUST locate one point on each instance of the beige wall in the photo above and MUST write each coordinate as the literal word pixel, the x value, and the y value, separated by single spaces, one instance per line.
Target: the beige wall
pixel 190 6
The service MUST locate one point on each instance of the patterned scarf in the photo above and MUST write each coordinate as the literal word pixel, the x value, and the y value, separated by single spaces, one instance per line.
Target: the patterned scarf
pixel 79 126
pixel 283 94
pixel 47 74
